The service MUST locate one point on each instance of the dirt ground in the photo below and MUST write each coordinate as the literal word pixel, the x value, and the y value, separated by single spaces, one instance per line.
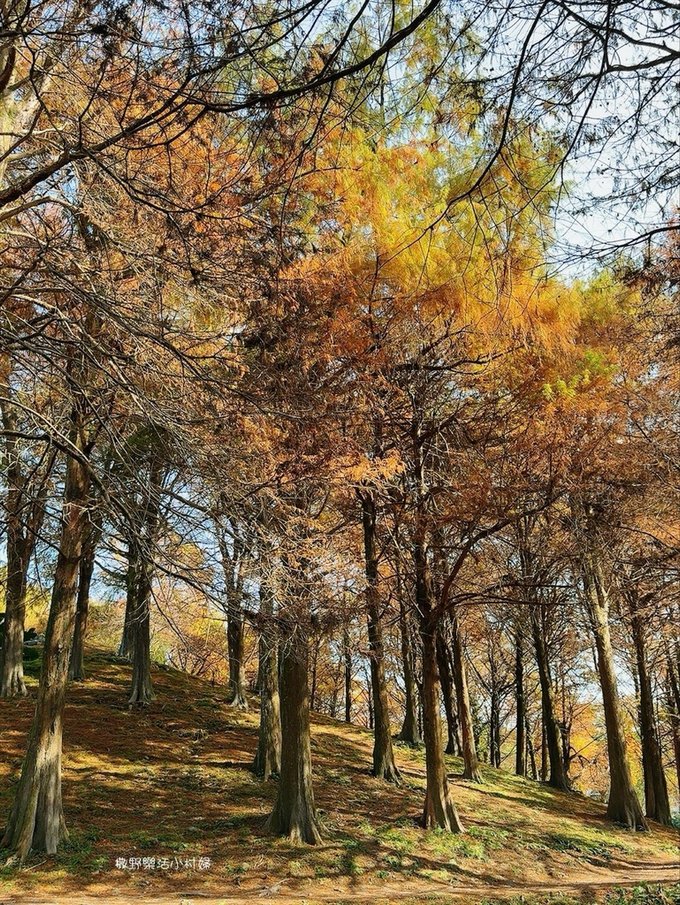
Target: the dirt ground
pixel 162 807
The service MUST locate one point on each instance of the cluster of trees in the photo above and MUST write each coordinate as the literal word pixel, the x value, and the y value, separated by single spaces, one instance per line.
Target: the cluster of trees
pixel 271 331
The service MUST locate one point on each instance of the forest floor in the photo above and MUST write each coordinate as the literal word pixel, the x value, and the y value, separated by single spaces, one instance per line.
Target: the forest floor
pixel 169 790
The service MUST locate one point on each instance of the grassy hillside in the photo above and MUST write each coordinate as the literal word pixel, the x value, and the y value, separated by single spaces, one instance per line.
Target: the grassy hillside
pixel 173 782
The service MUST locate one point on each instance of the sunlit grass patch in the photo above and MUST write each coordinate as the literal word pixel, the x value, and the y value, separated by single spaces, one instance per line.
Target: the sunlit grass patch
pixel 593 847
pixel 645 895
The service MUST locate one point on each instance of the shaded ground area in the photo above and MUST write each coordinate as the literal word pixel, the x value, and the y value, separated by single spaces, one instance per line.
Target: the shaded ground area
pixel 169 791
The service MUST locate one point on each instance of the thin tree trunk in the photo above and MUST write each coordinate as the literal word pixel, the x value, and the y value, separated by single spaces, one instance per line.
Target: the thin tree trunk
pixel 235 643
pixel 453 742
pixel 36 821
pixel 657 805
pixel 231 565
pixel 673 699
pixel 347 652
pixel 76 671
pixel 24 518
pixel 471 769
pixel 142 692
pixel 125 646
pixel 494 730
pixel 369 700
pixel 531 751
pixel 544 749
pixel 520 707
pixel 294 813
pixel 553 742
pixel 12 655
pixel 315 662
pixel 623 806
pixel 384 766
pixel 410 730
pixel 268 756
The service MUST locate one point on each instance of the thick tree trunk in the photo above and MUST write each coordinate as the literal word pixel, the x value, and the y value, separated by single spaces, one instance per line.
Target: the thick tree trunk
pixel 76 670
pixel 439 810
pixel 520 707
pixel 384 766
pixel 268 756
pixel 623 806
pixel 294 813
pixel 471 769
pixel 553 741
pixel 36 821
pixel 347 652
pixel 453 742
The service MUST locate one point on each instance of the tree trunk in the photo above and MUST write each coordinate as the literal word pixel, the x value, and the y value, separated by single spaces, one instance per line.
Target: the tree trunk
pixel 369 700
pixel 453 743
pixel 471 769
pixel 294 813
pixel 235 642
pixel 347 652
pixel 623 806
pixel 18 552
pixel 232 566
pixel 410 730
pixel 657 805
pixel 520 707
pixel 76 671
pixel 315 662
pixel 268 756
pixel 384 766
pixel 25 508
pixel 439 810
pixel 12 656
pixel 36 820
pixel 673 701
pixel 142 690
pixel 553 741
pixel 531 751
pixel 544 749
pixel 494 730
pixel 125 646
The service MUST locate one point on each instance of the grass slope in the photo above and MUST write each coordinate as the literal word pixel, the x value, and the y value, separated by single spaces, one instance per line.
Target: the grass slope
pixel 173 782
